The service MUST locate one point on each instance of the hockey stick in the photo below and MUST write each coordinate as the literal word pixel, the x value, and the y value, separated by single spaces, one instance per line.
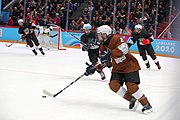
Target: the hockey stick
pixel 12 43
pixel 75 37
pixel 54 35
pixel 54 95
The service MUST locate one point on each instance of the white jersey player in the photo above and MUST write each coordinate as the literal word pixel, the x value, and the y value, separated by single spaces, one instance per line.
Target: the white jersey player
pixel 44 35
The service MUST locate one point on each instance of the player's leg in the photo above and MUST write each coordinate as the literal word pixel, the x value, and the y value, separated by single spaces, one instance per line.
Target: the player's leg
pixel 30 43
pixel 93 58
pixel 142 52
pixel 116 85
pixel 36 42
pixel 47 41
pixel 40 38
pixel 151 52
pixel 132 80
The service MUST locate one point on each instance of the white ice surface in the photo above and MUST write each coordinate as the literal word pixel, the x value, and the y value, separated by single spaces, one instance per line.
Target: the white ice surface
pixel 23 76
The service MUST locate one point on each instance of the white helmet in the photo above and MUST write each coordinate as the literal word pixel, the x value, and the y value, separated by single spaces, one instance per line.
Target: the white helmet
pixel 104 29
pixel 87 26
pixel 20 21
pixel 138 26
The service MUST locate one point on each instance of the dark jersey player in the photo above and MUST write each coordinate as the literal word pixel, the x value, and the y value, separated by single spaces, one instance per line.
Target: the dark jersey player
pixel 90 44
pixel 26 30
pixel 144 44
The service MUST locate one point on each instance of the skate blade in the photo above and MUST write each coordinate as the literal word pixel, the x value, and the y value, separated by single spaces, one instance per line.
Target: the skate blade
pixel 148 111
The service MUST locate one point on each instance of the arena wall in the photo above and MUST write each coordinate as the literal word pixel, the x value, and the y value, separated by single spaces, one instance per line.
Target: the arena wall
pixel 163 47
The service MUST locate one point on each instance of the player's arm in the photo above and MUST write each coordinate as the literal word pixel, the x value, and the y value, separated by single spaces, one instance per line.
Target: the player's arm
pixel 132 40
pixel 150 36
pixel 104 58
pixel 46 31
pixel 119 53
pixel 121 49
pixel 21 33
pixel 84 45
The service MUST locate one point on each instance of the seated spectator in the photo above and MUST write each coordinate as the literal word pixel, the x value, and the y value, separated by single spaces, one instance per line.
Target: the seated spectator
pixel 122 24
pixel 167 34
pixel 85 12
pixel 151 30
pixel 127 31
pixel 94 23
pixel 73 25
pixel 10 22
pixel 57 19
pixel 131 25
pixel 28 17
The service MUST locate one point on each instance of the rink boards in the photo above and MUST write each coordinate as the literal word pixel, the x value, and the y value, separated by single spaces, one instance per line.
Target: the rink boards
pixel 162 47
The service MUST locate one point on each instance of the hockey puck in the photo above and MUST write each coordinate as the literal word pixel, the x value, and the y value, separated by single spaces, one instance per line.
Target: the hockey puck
pixel 44 96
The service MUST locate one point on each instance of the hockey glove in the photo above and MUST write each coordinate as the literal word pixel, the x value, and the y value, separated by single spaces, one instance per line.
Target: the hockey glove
pixel 90 70
pixel 85 47
pixel 23 37
pixel 105 56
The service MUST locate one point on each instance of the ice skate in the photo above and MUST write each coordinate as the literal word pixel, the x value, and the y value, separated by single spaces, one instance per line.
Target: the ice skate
pixel 147 108
pixel 41 50
pixel 158 65
pixel 48 48
pixel 34 51
pixel 133 104
pixel 148 65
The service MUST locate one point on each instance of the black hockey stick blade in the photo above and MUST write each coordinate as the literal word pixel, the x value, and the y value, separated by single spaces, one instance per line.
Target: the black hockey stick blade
pixel 12 43
pixel 48 93
pixel 8 45
pixel 54 35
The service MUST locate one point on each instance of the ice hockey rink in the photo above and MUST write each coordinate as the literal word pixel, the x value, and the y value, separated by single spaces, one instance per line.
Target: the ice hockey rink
pixel 23 76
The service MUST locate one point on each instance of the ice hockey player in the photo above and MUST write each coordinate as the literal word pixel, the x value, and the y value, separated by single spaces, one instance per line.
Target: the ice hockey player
pixel 125 69
pixel 90 44
pixel 26 30
pixel 44 33
pixel 144 44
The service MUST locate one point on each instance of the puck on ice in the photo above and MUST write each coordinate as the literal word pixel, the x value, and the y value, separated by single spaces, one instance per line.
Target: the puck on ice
pixel 44 96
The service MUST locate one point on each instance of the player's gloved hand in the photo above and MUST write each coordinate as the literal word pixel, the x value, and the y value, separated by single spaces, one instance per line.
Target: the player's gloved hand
pixel 90 70
pixel 105 56
pixel 109 64
pixel 23 37
pixel 85 47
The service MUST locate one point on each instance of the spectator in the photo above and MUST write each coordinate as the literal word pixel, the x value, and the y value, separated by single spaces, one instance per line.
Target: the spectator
pixel 122 24
pixel 85 12
pixel 151 30
pixel 10 22
pixel 73 25
pixel 167 34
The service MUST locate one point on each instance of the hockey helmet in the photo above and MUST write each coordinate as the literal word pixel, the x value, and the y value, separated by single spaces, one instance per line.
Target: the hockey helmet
pixel 20 21
pixel 104 32
pixel 87 26
pixel 138 26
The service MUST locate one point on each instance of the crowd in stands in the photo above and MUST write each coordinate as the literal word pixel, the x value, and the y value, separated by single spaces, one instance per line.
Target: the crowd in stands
pixel 35 11
pixel 103 13
pixel 100 11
